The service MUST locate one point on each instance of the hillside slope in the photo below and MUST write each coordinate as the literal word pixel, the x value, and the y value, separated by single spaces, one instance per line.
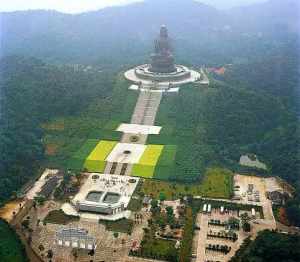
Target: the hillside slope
pixel 201 34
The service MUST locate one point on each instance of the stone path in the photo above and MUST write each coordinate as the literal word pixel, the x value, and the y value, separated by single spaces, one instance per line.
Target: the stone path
pixel 146 108
pixel 144 114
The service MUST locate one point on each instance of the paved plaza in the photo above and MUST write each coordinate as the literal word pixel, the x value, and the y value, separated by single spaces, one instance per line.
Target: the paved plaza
pixel 109 247
pixel 126 153
pixel 139 129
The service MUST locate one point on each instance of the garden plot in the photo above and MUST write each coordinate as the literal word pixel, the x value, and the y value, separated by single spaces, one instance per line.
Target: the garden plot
pixel 146 166
pixel 96 161
pixel 78 159
pixel 126 153
pixel 139 129
pixel 165 166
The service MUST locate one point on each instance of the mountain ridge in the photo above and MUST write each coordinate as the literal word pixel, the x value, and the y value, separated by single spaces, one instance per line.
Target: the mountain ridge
pixel 129 31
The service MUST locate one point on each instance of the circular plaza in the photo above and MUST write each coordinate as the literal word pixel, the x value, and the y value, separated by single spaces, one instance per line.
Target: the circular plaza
pixel 142 75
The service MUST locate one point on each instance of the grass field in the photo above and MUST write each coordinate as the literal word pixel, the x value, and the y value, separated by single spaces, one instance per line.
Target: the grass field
pixel 217 183
pixel 100 119
pixel 59 217
pixel 146 166
pixel 166 163
pixel 120 226
pixel 160 247
pixel 78 159
pixel 155 248
pixel 95 162
pixel 151 155
pixel 11 248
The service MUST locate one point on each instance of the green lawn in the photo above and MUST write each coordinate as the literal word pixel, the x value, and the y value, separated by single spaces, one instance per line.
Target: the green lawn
pixel 78 159
pixel 159 249
pixel 217 183
pixel 151 155
pixel 95 162
pixel 166 163
pixel 97 122
pixel 59 217
pixel 155 248
pixel 120 226
pixel 146 166
pixel 11 248
pixel 135 204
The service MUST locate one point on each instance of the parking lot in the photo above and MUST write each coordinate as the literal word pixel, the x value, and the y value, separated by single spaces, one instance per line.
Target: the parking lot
pixel 204 239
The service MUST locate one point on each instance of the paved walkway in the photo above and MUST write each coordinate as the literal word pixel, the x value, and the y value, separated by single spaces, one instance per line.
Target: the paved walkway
pixel 202 221
pixel 205 79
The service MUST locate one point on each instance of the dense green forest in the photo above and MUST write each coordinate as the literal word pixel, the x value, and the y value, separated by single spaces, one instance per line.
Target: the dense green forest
pixel 253 108
pixel 210 126
pixel 32 93
pixel 50 106
pixel 11 248
pixel 277 77
pixel 215 126
pixel 269 246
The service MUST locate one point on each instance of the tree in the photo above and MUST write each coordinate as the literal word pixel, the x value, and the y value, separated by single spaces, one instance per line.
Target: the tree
pixel 41 247
pixel 170 211
pixel 74 253
pixel 40 200
pixel 245 222
pixel 155 209
pixel 233 223
pixel 246 227
pixel 50 254
pixel 162 196
pixel 187 241
pixel 269 246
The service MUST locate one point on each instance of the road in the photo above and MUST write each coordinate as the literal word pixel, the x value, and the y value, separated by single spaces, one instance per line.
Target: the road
pixel 16 224
pixel 202 222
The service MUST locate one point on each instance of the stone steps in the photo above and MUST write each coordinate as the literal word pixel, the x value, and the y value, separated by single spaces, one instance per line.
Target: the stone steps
pixel 108 167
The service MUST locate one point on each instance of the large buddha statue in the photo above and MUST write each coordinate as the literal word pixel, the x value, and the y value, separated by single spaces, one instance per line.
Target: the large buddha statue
pixel 162 60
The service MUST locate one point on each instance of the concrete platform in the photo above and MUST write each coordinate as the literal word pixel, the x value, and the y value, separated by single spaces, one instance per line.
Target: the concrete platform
pixel 118 155
pixel 150 83
pixel 139 129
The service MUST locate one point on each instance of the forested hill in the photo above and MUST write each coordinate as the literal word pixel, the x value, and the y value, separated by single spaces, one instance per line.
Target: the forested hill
pixel 269 246
pixel 34 92
pixel 124 35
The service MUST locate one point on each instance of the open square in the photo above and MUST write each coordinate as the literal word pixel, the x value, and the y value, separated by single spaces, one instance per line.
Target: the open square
pixel 139 129
pixel 126 153
pixel 95 162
